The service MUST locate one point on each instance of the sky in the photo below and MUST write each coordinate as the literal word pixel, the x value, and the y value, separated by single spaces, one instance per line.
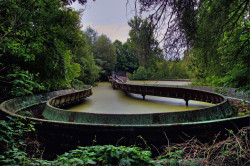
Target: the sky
pixel 107 17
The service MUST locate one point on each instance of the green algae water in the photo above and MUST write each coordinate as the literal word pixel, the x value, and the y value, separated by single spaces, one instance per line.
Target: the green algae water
pixel 108 101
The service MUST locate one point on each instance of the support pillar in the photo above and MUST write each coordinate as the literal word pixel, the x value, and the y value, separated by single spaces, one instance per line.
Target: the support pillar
pixel 143 96
pixel 126 93
pixel 186 100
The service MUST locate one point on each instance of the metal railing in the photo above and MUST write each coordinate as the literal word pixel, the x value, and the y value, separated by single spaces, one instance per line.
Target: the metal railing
pixel 74 97
pixel 168 91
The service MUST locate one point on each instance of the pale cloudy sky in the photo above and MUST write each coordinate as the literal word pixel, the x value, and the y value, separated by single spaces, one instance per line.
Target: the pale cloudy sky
pixel 108 17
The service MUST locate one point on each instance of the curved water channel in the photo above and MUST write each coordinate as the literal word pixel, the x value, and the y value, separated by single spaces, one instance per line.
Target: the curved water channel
pixel 108 101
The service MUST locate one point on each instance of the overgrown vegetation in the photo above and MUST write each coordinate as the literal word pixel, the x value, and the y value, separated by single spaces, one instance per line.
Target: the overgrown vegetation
pixel 19 146
pixel 43 48
pixel 161 70
pixel 142 57
pixel 212 35
pixel 232 151
pixel 18 139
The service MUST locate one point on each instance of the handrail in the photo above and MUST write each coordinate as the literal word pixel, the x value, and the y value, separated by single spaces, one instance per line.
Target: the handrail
pixel 169 91
pixel 71 98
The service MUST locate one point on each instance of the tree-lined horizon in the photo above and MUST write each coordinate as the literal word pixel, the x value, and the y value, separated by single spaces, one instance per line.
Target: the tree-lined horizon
pixel 215 35
pixel 43 47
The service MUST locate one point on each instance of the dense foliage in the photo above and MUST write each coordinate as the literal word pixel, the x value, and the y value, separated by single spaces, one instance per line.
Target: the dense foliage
pixel 105 56
pixel 126 60
pixel 19 146
pixel 143 42
pixel 172 69
pixel 85 57
pixel 214 35
pixel 42 47
pixel 16 135
pixel 220 53
pixel 142 57
pixel 104 53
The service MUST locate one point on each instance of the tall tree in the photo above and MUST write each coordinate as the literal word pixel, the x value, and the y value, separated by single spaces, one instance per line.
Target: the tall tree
pixel 143 41
pixel 89 73
pixel 105 56
pixel 91 36
pixel 170 18
pixel 215 33
pixel 126 59
pixel 38 38
pixel 221 44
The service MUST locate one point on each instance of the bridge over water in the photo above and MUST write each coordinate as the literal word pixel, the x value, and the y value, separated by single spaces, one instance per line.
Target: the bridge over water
pixel 165 91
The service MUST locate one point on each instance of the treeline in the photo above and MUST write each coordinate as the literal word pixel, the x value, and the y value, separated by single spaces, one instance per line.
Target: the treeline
pixel 104 53
pixel 43 48
pixel 220 42
pixel 213 35
pixel 142 57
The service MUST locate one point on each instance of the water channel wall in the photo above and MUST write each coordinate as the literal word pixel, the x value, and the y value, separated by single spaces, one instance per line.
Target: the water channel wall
pixel 52 110
pixel 221 110
pixel 17 104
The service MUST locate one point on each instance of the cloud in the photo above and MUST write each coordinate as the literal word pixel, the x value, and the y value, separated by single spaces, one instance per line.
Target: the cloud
pixel 113 31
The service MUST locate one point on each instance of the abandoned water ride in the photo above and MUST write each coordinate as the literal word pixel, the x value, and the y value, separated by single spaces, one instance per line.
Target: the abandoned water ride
pixel 65 129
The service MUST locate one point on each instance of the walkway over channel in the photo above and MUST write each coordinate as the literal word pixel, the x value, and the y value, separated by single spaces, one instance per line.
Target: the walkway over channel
pixel 165 91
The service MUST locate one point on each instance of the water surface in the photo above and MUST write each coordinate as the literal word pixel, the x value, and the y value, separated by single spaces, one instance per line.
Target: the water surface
pixel 108 101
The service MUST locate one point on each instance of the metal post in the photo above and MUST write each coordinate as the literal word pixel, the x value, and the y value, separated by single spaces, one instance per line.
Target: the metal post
pixel 143 95
pixel 186 102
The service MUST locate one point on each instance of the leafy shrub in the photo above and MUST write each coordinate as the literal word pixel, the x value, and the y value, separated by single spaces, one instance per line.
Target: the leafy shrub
pixel 232 151
pixel 237 78
pixel 140 74
pixel 24 83
pixel 222 91
pixel 105 155
pixel 77 84
pixel 12 137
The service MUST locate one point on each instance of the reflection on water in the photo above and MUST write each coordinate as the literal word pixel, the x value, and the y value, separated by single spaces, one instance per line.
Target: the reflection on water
pixel 109 101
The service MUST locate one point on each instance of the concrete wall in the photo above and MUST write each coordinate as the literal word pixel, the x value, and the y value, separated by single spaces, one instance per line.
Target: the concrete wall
pixel 220 111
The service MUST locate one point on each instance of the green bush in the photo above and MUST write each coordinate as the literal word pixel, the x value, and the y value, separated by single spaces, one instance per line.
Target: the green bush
pixel 24 83
pixel 105 155
pixel 140 74
pixel 161 70
pixel 12 137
